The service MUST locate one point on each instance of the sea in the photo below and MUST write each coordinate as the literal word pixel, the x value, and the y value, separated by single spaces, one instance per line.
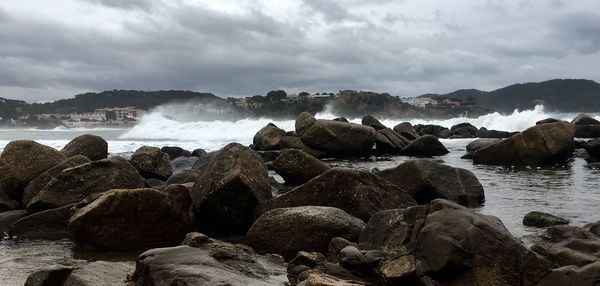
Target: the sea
pixel 571 190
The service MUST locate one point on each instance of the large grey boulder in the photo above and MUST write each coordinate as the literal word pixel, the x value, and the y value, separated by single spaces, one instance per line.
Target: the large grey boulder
pixel 426 180
pixel 52 224
pixel 584 119
pixel 286 231
pixel 389 141
pixel 231 185
pixel 75 184
pixel 541 144
pixel 425 146
pixel 357 192
pixel 151 162
pixel 91 146
pixel 296 167
pixel 269 137
pixel 540 219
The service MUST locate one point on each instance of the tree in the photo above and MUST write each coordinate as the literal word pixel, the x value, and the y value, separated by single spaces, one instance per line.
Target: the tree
pixel 111 115
pixel 276 96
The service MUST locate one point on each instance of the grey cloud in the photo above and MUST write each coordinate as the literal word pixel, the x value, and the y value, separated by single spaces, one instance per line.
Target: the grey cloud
pixel 580 31
pixel 125 4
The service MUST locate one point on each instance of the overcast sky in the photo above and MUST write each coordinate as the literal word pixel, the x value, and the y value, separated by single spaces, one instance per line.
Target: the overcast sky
pixel 55 49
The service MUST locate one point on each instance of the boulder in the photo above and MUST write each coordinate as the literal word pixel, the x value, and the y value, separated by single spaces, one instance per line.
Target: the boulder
pixel 389 141
pixel 37 184
pixel 464 130
pixel 8 218
pixel 357 192
pixel 311 268
pixel 22 161
pixel 7 204
pixel 485 133
pixel 153 182
pixel 206 261
pixel 185 176
pixel 100 273
pixel 587 131
pixel 584 119
pixel 297 167
pixel 286 231
pixel 548 120
pixel 425 146
pixel 133 219
pixel 541 144
pixel 567 245
pixel 426 180
pixel 335 138
pixel 199 153
pixel 540 219
pixel 571 275
pixel 56 275
pixel 371 121
pixel 342 119
pixel 453 245
pixel 435 130
pixel 234 182
pixel 52 224
pixel 91 146
pixel 180 164
pixel 592 147
pixel 74 184
pixel 152 163
pixel 175 152
pixel 481 143
pixel 269 137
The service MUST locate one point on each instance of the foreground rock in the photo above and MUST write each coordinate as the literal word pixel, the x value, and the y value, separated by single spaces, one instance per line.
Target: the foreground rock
pixel 435 130
pixel 541 144
pixel 175 152
pixel 568 245
pixel 389 141
pixel 74 184
pixel 151 162
pixel 371 121
pixel 91 146
pixel 426 180
pixel 540 219
pixel 359 193
pixel 592 147
pixel 485 133
pixel 407 130
pixel 587 131
pixel 22 161
pixel 232 184
pixel 336 138
pixel 584 119
pixel 268 138
pixel 296 167
pixel 205 261
pixel 425 146
pixel 286 231
pixel 133 219
pixel 464 130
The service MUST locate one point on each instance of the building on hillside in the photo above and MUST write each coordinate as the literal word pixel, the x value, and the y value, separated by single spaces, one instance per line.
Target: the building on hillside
pixel 421 101
pixel 123 112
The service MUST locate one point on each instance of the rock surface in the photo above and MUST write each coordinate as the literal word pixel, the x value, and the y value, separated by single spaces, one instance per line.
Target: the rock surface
pixel 52 224
pixel 92 146
pixel 540 219
pixel 286 231
pixel 269 137
pixel 425 146
pixel 296 167
pixel 151 162
pixel 584 119
pixel 175 152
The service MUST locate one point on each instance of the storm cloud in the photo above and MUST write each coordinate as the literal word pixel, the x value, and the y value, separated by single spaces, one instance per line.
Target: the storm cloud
pixel 239 48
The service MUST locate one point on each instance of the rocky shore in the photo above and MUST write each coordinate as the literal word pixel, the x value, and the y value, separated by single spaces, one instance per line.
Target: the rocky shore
pixel 218 218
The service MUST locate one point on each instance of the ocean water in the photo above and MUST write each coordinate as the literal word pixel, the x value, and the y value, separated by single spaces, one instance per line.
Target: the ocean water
pixel 571 191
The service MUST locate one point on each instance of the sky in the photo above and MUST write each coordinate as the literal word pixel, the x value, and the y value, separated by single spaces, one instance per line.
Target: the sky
pixel 56 49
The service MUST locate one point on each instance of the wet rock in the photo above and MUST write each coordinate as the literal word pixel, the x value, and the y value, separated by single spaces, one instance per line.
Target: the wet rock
pixel 153 182
pixel 571 275
pixel 480 144
pixel 286 231
pixel 425 146
pixel 548 120
pixel 592 147
pixel 542 144
pixel 426 180
pixel 91 146
pixel 74 184
pixel 182 177
pixel 7 204
pixel 234 182
pixel 268 138
pixel 152 163
pixel 406 127
pixel 175 152
pixel 297 167
pixel 8 218
pixel 359 193
pixel 371 121
pixel 435 130
pixel 269 156
pixel 207 262
pixel 100 273
pixel 22 161
pixel 199 153
pixel 52 224
pixel 342 119
pixel 334 137
pixel 335 246
pixel 485 133
pixel 584 119
pixel 37 184
pixel 133 219
pixel 464 130
pixel 389 141
pixel 540 219
pixel 568 245
pixel 587 131
pixel 51 276
pixel 183 163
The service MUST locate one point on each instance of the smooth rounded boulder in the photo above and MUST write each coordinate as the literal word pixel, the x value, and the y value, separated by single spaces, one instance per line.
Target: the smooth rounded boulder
pixel 268 138
pixel 22 161
pixel 464 130
pixel 286 231
pixel 540 219
pixel 357 192
pixel 296 167
pixel 133 219
pixel 370 120
pixel 231 185
pixel 425 146
pixel 151 162
pixel 426 180
pixel 74 184
pixel 541 144
pixel 92 146
pixel 584 119
pixel 175 152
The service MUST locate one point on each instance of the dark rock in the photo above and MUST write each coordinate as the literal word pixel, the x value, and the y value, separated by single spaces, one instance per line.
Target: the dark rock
pixel 268 156
pixel 234 182
pixel 286 231
pixel 52 224
pixel 426 180
pixel 334 137
pixel 133 219
pixel 22 161
pixel 584 119
pixel 206 261
pixel 485 133
pixel 405 127
pixel 389 141
pixel 152 163
pixel 102 273
pixel 435 130
pixel 371 121
pixel 357 192
pixel 153 182
pixel 48 277
pixel 425 146
pixel 74 184
pixel 593 148
pixel 568 245
pixel 463 130
pixel 7 204
pixel 37 184
pixel 587 131
pixel 342 119
pixel 540 219
pixel 548 120
pixel 175 152
pixel 335 246
pixel 91 146
pixel 268 138
pixel 8 218
pixel 297 167
pixel 571 275
pixel 182 177
pixel 481 143
pixel 542 144
pixel 595 228
pixel 199 153
pixel 202 162
pixel 183 163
